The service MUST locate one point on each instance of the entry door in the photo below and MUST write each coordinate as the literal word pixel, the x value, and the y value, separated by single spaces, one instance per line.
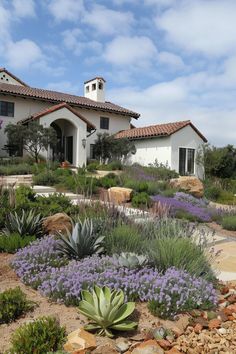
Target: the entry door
pixel 69 149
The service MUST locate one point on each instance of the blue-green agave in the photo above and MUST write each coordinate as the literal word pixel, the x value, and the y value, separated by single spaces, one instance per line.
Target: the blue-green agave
pixel 106 310
pixel 81 242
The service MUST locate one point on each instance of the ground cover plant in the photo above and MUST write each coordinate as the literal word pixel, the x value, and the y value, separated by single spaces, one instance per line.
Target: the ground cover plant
pixel 13 304
pixel 13 242
pixel 40 336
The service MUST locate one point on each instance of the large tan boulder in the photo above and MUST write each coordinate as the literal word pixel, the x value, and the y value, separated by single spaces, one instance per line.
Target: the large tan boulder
pixel 119 195
pixel 59 222
pixel 80 341
pixel 192 185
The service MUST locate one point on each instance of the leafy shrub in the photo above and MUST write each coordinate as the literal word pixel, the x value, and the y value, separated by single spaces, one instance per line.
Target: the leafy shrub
pixel 183 214
pixel 25 224
pixel 46 178
pixel 82 242
pixel 24 196
pixel 13 242
pixel 168 192
pixel 141 200
pixel 181 253
pixel 138 186
pixel 92 166
pixel 108 181
pixel 107 311
pixel 123 238
pixel 18 169
pixel 112 166
pixel 226 198
pixel 229 222
pixel 39 337
pixel 212 192
pixel 13 304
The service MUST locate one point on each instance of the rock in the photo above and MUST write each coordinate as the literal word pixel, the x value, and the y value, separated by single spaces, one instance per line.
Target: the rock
pixel 79 340
pixel 178 327
pixel 232 308
pixel 202 321
pixel 198 328
pixel 58 222
pixel 222 331
pixel 122 345
pixel 105 349
pixel 224 290
pixel 189 184
pixel 165 344
pixel 215 323
pixel 222 316
pixel 148 347
pixel 211 315
pixel 231 299
pixel 119 195
pixel 159 333
pixel 173 351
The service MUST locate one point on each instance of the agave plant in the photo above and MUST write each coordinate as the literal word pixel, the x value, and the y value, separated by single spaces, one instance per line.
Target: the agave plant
pixel 107 310
pixel 81 242
pixel 24 224
pixel 131 260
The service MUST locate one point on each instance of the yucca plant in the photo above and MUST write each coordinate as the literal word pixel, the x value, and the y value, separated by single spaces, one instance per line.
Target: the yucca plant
pixel 131 260
pixel 107 311
pixel 81 242
pixel 24 224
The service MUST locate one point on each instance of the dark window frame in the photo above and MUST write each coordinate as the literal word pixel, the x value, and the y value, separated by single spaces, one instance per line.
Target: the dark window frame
pixel 104 123
pixel 7 109
pixel 186 161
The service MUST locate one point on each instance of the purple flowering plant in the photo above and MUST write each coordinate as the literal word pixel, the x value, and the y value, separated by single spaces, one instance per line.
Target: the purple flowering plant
pixel 41 266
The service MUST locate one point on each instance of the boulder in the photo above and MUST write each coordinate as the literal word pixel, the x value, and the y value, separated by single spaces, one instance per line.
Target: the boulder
pixel 192 185
pixel 119 195
pixel 148 347
pixel 59 222
pixel 79 341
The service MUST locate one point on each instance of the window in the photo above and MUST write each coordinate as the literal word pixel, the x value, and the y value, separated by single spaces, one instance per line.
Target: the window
pixel 93 87
pixel 87 89
pixel 6 109
pixel 104 123
pixel 100 85
pixel 92 152
pixel 186 161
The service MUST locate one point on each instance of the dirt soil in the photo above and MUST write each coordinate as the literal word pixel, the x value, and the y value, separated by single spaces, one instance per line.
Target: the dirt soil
pixel 219 229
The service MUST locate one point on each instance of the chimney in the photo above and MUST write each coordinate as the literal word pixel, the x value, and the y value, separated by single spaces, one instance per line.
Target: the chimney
pixel 95 89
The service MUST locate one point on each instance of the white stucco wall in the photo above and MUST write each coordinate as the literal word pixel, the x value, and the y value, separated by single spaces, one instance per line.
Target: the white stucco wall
pixel 26 107
pixel 71 125
pixel 187 138
pixel 149 150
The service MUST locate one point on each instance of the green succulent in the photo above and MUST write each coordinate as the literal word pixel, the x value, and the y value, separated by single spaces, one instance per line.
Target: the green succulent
pixel 24 224
pixel 107 311
pixel 81 242
pixel 131 260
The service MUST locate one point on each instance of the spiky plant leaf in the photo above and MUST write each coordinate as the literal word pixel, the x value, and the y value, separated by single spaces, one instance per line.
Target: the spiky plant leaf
pixel 107 310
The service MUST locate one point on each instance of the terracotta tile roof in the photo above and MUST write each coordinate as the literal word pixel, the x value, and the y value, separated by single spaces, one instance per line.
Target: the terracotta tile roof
pixel 58 97
pixel 53 109
pixel 14 77
pixel 158 130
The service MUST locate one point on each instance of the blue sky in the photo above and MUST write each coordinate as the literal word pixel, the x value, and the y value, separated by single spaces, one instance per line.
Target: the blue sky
pixel 166 59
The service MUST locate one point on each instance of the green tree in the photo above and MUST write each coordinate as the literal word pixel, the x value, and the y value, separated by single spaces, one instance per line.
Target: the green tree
pixel 217 162
pixel 107 148
pixel 32 137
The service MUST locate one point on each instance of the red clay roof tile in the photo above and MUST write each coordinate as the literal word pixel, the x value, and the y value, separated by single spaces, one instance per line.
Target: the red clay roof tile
pixel 158 130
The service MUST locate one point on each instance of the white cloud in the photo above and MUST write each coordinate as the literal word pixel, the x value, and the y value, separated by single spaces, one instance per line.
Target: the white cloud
pixel 5 23
pixel 126 50
pixel 23 53
pixel 205 26
pixel 63 86
pixel 175 62
pixel 74 41
pixel 66 10
pixel 23 8
pixel 206 99
pixel 107 21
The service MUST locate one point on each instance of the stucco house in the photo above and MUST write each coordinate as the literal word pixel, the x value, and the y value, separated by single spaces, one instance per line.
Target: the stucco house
pixel 77 120
pixel 172 144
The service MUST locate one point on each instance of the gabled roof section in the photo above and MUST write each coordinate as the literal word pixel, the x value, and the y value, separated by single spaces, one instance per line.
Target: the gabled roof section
pixel 159 130
pixel 56 108
pixel 13 76
pixel 95 78
pixel 58 97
